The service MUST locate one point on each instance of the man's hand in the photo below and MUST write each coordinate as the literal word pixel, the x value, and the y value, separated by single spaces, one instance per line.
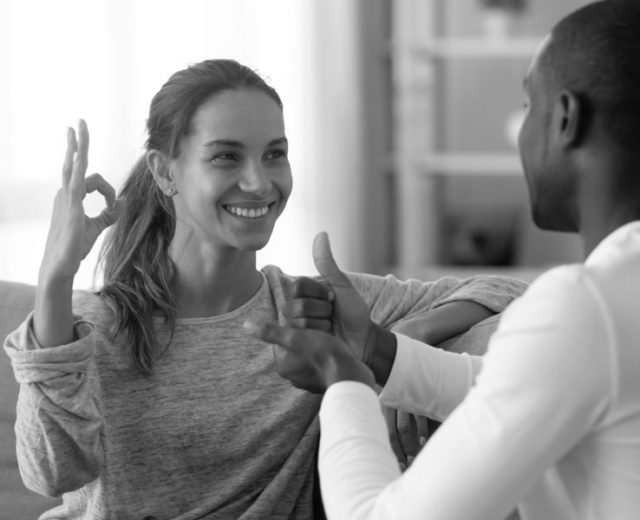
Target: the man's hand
pixel 350 321
pixel 311 359
pixel 408 433
pixel 309 305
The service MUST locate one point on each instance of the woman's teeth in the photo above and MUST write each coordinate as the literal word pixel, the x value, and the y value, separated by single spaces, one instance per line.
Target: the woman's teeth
pixel 248 212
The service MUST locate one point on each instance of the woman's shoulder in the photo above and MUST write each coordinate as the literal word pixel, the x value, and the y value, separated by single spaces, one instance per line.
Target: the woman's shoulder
pixel 276 277
pixel 90 306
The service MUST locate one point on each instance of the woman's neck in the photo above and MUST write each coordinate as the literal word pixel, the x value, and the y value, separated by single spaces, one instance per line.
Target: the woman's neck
pixel 214 281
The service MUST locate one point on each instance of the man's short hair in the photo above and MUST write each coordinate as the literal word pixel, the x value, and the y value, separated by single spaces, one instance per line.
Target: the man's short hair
pixel 595 53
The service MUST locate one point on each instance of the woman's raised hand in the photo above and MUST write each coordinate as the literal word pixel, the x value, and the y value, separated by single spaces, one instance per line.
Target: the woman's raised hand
pixel 72 234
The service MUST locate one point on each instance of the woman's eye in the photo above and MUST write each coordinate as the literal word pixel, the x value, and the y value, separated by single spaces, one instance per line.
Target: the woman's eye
pixel 224 159
pixel 276 154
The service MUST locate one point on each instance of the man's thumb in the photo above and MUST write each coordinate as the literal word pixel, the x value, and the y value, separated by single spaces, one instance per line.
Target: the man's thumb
pixel 325 264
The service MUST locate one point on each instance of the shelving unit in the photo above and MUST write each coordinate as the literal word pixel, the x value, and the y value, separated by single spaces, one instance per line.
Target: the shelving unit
pixel 475 48
pixel 421 164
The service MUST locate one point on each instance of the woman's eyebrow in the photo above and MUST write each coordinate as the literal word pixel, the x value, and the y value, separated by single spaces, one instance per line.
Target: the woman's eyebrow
pixel 238 144
pixel 223 142
pixel 280 140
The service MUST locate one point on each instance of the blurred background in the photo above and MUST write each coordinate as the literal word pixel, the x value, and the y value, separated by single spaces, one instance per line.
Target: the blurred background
pixel 402 117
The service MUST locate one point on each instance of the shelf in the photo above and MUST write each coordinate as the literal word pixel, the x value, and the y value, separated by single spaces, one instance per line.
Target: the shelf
pixel 470 163
pixel 474 48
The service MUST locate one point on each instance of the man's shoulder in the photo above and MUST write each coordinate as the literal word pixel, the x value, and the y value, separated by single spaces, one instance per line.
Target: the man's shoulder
pixel 562 294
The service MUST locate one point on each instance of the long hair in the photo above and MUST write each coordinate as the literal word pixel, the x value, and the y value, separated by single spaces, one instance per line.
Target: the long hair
pixel 139 275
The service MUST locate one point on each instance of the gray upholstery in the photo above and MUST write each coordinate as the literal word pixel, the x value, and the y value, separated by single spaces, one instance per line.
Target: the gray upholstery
pixel 16 501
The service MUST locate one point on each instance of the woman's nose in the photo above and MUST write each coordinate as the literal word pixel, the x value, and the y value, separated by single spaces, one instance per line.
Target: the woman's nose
pixel 255 179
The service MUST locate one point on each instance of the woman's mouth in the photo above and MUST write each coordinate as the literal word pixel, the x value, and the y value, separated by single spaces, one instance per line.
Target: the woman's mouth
pixel 250 213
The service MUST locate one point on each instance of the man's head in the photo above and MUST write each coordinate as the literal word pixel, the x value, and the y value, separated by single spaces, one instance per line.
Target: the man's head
pixel 583 102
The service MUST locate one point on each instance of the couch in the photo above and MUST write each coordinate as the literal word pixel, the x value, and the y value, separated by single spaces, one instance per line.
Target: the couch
pixel 16 501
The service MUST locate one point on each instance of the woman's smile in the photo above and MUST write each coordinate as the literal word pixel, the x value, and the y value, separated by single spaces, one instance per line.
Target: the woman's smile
pixel 249 211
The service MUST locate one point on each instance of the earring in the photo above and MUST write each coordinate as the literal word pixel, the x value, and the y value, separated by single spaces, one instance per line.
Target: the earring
pixel 171 192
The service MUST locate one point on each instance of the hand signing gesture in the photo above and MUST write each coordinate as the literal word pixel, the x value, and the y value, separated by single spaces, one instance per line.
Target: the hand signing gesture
pixel 72 234
pixel 311 359
pixel 332 305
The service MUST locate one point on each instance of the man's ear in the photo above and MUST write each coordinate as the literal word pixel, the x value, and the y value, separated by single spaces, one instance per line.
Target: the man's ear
pixel 160 167
pixel 569 118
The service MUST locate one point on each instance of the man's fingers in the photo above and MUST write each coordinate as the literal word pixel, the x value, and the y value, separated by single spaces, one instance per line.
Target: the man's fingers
pixel 270 332
pixel 308 308
pixel 390 416
pixel 306 287
pixel 408 433
pixel 312 323
pixel 325 264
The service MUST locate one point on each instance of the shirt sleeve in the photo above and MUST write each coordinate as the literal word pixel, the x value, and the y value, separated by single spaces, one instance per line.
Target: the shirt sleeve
pixel 392 300
pixel 438 380
pixel 544 384
pixel 58 424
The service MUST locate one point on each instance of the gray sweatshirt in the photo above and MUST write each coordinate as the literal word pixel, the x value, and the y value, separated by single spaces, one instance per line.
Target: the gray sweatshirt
pixel 214 433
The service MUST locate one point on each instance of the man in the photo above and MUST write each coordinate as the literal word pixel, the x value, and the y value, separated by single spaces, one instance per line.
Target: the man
pixel 552 422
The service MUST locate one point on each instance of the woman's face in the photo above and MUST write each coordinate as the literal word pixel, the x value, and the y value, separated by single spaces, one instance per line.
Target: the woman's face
pixel 233 175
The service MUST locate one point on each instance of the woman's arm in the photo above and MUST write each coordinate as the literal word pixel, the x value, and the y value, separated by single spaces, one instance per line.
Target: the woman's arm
pixel 58 423
pixel 444 322
pixel 71 236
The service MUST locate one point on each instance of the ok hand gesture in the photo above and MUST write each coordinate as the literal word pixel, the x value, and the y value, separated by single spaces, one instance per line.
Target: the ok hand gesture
pixel 72 234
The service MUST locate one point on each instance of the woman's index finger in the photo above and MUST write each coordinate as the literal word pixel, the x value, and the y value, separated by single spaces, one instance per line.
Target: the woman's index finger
pixel 81 160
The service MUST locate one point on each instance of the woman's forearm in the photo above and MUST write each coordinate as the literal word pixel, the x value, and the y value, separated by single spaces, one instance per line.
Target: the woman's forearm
pixel 444 322
pixel 53 315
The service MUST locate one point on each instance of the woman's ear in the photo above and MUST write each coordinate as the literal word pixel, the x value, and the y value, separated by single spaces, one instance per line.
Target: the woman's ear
pixel 160 167
pixel 569 118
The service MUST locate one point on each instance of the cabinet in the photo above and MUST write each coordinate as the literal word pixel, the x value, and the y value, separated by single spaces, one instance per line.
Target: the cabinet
pixel 454 95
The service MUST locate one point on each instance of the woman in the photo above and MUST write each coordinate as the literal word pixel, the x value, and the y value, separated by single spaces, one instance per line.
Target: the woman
pixel 153 402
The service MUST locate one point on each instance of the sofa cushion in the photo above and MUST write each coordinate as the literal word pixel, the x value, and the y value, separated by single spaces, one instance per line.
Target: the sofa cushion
pixel 18 503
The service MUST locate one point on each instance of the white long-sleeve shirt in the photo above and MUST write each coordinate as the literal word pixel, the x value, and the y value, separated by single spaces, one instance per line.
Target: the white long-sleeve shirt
pixel 551 424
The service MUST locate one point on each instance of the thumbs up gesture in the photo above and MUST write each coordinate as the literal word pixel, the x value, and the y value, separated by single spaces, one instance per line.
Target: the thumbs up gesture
pixel 350 319
pixel 328 336
pixel 331 304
